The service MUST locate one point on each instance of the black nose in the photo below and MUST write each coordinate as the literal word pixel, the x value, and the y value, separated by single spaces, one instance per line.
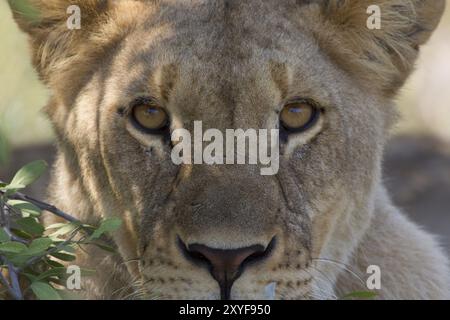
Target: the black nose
pixel 226 265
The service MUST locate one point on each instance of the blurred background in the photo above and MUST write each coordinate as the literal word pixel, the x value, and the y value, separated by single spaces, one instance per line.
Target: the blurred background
pixel 417 162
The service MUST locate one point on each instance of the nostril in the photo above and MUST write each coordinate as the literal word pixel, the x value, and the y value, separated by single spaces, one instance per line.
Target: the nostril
pixel 197 256
pixel 193 256
pixel 226 265
pixel 260 255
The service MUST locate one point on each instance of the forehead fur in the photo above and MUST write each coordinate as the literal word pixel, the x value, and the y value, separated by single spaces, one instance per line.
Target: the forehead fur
pixel 380 58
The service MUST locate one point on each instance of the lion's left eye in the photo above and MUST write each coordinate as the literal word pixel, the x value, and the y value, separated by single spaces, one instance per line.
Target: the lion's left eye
pixel 298 116
pixel 150 118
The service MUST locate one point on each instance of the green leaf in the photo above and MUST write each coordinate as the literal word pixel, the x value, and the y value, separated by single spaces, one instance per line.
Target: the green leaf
pixel 29 173
pixel 3 236
pixel 88 272
pixel 53 263
pixel 11 189
pixel 44 291
pixel 18 259
pixel 12 247
pixel 37 248
pixel 30 276
pixel 21 234
pixel 27 209
pixel 31 226
pixel 63 256
pixel 360 295
pixel 103 246
pixel 88 227
pixel 56 226
pixel 108 225
pixel 64 229
pixel 68 249
pixel 55 272
pixel 39 245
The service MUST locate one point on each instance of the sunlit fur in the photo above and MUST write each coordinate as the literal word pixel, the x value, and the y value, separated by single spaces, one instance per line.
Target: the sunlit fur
pixel 232 64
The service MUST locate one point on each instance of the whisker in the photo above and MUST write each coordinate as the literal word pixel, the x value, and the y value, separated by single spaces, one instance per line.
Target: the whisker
pixel 322 278
pixel 343 266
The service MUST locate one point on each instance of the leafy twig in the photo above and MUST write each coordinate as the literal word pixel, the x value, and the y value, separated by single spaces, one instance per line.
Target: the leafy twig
pixel 25 246
pixel 44 206
pixel 50 251
pixel 4 210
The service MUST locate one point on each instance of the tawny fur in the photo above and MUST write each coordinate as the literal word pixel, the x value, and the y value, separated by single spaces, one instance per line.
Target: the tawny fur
pixel 232 64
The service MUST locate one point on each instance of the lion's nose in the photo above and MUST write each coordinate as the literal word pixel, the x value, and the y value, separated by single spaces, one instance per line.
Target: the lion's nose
pixel 226 265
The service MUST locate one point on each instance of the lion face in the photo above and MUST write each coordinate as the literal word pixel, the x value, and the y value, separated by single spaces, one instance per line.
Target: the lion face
pixel 202 231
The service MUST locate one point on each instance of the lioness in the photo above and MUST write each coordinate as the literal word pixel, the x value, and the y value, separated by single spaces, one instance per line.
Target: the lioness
pixel 139 69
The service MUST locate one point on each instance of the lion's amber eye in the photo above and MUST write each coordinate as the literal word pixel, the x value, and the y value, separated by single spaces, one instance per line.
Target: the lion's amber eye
pixel 298 116
pixel 150 118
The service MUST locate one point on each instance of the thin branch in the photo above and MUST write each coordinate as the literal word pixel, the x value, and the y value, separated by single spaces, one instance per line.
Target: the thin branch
pixel 44 206
pixel 5 283
pixel 13 274
pixel 5 211
pixel 13 289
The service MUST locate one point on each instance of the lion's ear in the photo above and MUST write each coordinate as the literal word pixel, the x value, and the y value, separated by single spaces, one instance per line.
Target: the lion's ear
pixel 383 54
pixel 46 22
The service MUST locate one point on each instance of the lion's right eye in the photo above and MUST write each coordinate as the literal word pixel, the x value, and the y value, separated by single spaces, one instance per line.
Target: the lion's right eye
pixel 150 118
pixel 298 116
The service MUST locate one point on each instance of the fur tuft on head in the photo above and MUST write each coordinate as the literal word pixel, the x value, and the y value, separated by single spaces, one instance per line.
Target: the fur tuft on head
pixel 46 23
pixel 382 57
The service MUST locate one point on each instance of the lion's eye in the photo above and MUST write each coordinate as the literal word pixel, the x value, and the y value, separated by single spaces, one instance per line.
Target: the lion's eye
pixel 150 118
pixel 298 116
